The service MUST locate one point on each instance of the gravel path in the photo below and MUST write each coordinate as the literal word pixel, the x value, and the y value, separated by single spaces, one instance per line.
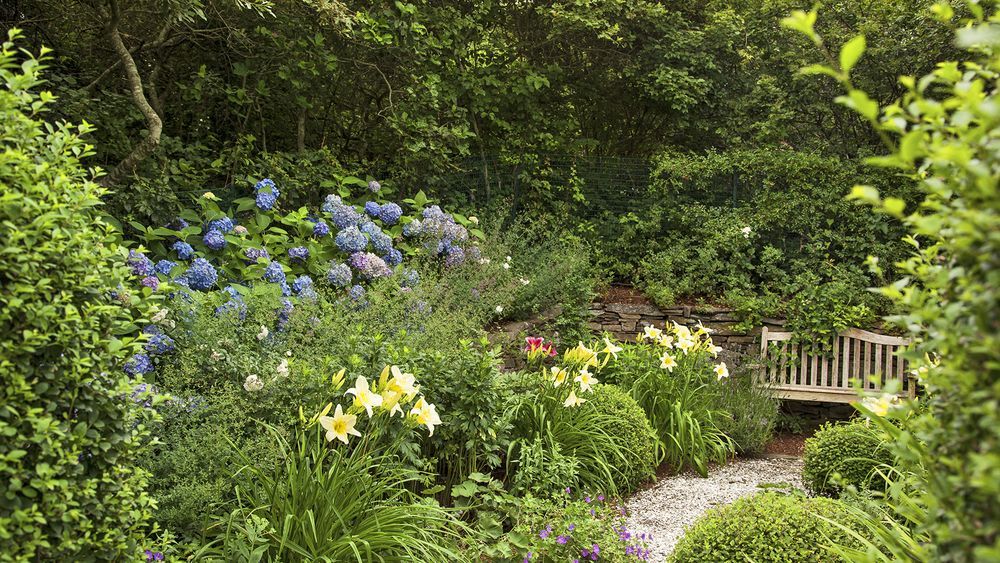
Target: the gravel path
pixel 677 501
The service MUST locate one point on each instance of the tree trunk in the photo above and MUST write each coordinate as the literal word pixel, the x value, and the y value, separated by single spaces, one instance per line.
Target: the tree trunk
pixel 154 125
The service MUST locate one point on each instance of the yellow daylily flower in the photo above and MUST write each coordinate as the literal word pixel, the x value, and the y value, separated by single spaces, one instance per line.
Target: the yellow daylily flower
pixel 585 379
pixel 668 362
pixel 364 396
pixel 650 332
pixel 426 414
pixel 610 348
pixel 880 406
pixel 702 329
pixel 558 376
pixel 721 370
pixel 666 341
pixel 390 401
pixel 581 355
pixel 405 383
pixel 573 401
pixel 339 426
pixel 682 332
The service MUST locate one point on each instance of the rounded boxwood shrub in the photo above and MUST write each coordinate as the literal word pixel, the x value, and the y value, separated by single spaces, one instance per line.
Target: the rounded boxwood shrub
pixel 631 427
pixel 853 451
pixel 768 526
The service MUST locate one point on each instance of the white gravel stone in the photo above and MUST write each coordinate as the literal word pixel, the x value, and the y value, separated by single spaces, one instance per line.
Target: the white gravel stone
pixel 676 502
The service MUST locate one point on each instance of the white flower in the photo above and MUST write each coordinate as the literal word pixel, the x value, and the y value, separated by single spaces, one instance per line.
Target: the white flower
pixel 364 396
pixel 484 260
pixel 668 362
pixel 160 315
pixel 253 383
pixel 288 353
pixel 881 405
pixel 573 401
pixel 499 309
pixel 721 370
pixel 585 379
pixel 508 258
pixel 169 323
pixel 746 232
pixel 216 356
pixel 425 413
pixel 473 219
pixel 652 333
pixel 263 333
pixel 524 281
pixel 283 368
pixel 506 265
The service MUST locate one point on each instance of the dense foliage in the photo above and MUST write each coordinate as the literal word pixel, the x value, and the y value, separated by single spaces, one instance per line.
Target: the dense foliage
pixel 852 454
pixel 69 484
pixel 768 526
pixel 942 133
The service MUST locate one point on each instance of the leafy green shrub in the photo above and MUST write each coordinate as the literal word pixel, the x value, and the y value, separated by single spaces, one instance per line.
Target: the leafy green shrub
pixel 844 454
pixel 331 503
pixel 69 486
pixel 750 412
pixel 566 529
pixel 768 526
pixel 632 429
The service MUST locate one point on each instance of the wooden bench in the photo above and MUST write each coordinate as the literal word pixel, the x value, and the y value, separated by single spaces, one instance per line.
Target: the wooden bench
pixel 857 354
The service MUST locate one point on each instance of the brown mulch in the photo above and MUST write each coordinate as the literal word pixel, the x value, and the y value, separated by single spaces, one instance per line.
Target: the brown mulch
pixel 786 444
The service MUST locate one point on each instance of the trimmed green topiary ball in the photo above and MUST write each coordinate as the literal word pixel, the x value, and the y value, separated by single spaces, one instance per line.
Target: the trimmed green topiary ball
pixel 632 428
pixel 852 450
pixel 768 526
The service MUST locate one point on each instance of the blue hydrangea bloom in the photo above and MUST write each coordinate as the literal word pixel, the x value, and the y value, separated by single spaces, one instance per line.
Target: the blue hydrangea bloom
pixel 409 278
pixel 183 249
pixel 303 287
pixel 343 215
pixel 286 291
pixel 351 240
pixel 412 228
pixel 374 187
pixel 356 293
pixel 160 344
pixel 390 213
pixel 274 273
pixel 434 212
pixel 255 254
pixel 371 229
pixel 152 282
pixel 300 253
pixel 141 395
pixel 393 257
pixel 235 304
pixel 267 194
pixel 382 243
pixel 141 265
pixel 284 313
pixel 224 224
pixel 321 229
pixel 177 224
pixel 455 257
pixel 164 267
pixel 201 275
pixel 473 253
pixel 372 209
pixel 339 275
pixel 139 364
pixel 215 240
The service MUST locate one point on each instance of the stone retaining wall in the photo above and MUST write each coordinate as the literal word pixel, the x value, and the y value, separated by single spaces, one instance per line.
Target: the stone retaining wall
pixel 626 320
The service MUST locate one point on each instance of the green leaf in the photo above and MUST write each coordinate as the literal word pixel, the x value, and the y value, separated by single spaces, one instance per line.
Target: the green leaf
pixel 851 52
pixel 894 206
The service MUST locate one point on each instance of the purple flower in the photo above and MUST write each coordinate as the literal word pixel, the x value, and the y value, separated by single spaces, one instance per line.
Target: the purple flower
pixel 600 498
pixel 267 194
pixel 152 282
pixel 571 527
pixel 587 499
pixel 369 266
pixel 567 490
pixel 357 293
pixel 298 253
pixel 215 240
pixel 183 249
pixel 390 213
pixel 455 257
pixel 544 534
pixel 374 187
pixel 140 264
pixel 321 229
pixel 561 540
